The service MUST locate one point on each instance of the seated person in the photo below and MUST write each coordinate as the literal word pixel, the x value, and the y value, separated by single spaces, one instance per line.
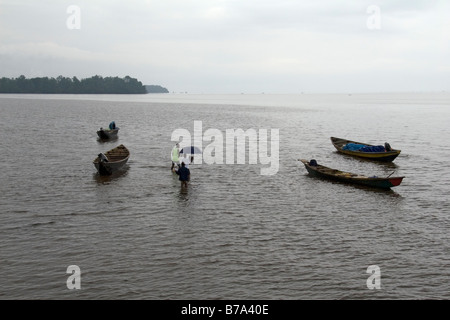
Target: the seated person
pixel 102 157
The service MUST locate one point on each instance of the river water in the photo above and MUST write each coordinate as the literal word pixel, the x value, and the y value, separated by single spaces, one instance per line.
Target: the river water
pixel 234 233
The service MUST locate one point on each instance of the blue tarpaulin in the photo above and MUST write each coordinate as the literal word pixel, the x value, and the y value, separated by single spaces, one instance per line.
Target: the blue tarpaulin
pixel 353 146
pixel 363 148
pixel 373 149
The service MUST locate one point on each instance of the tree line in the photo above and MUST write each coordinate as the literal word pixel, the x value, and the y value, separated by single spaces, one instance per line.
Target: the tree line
pixel 96 84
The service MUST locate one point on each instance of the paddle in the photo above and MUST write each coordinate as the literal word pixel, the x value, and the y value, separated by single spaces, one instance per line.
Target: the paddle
pixel 391 174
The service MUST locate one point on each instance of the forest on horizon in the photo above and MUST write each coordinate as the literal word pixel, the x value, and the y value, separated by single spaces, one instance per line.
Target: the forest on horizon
pixel 93 85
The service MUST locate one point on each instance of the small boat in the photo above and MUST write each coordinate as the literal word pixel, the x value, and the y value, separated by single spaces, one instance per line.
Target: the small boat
pixel 348 177
pixel 364 150
pixel 107 134
pixel 112 161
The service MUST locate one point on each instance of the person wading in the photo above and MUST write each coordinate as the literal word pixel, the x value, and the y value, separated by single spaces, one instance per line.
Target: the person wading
pixel 184 174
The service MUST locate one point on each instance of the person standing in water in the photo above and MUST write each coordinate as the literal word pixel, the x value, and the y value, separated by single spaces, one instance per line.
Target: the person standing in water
pixel 184 174
pixel 175 155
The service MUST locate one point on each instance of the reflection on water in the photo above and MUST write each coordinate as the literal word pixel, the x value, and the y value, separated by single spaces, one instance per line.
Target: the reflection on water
pixel 184 193
pixel 106 141
pixel 106 179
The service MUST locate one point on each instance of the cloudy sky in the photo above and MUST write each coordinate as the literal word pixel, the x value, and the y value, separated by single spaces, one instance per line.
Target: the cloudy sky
pixel 233 46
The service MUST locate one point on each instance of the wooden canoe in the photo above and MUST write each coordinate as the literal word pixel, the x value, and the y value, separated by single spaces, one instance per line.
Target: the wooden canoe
pixel 348 177
pixel 107 134
pixel 386 156
pixel 115 159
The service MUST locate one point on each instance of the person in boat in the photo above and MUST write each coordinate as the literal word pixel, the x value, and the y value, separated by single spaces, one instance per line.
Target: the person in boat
pixel 103 157
pixel 175 155
pixel 185 175
pixel 112 125
pixel 387 146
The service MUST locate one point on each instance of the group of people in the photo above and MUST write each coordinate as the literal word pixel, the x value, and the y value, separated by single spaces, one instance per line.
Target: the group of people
pixel 180 166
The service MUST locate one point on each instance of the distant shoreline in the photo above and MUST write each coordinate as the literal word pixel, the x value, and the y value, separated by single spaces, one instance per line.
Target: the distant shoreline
pixel 63 85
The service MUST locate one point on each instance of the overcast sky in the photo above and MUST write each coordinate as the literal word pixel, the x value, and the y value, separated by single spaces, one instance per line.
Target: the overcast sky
pixel 233 46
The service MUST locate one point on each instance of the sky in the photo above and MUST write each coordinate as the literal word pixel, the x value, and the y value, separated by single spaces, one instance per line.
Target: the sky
pixel 233 46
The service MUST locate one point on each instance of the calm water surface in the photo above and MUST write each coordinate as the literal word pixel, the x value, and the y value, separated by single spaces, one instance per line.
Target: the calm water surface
pixel 234 234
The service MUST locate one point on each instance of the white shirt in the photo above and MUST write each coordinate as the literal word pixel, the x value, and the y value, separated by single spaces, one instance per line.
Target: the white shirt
pixel 186 161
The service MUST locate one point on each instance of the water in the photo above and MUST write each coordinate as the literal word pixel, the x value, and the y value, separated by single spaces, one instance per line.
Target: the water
pixel 234 234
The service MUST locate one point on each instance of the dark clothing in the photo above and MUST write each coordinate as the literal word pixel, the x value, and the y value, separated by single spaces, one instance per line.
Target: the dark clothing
pixel 102 157
pixel 184 173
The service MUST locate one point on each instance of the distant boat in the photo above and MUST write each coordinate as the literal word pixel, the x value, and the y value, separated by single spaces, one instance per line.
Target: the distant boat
pixel 364 150
pixel 321 171
pixel 111 161
pixel 108 134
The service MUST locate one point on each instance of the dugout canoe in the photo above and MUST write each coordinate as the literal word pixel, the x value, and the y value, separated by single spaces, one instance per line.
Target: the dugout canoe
pixel 112 161
pixel 318 170
pixel 388 155
pixel 108 134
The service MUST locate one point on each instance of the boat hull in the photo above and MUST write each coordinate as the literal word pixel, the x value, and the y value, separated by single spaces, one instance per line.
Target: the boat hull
pixel 108 134
pixel 387 156
pixel 352 178
pixel 108 168
pixel 117 158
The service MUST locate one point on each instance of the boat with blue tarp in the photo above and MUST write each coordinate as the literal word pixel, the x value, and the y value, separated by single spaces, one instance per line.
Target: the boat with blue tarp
pixel 365 150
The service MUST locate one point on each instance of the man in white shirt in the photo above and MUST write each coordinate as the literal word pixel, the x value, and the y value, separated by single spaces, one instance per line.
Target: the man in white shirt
pixel 175 155
pixel 186 160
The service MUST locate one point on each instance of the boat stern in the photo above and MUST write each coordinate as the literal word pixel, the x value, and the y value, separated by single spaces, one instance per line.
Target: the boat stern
pixel 396 181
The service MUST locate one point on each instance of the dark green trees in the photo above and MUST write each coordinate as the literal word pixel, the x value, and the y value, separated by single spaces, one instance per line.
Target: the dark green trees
pixel 95 84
